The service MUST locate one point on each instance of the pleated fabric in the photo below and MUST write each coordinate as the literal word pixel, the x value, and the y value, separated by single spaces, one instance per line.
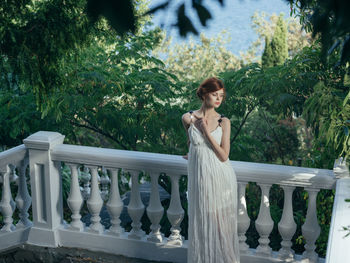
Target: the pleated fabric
pixel 212 203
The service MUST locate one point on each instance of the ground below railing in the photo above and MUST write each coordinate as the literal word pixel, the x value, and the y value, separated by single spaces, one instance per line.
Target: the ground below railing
pixel 35 254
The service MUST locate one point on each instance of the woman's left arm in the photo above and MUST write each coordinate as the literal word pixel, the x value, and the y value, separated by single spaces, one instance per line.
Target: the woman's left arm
pixel 222 151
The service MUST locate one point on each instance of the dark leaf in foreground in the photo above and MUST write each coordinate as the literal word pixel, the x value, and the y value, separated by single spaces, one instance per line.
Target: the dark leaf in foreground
pixel 184 23
pixel 120 14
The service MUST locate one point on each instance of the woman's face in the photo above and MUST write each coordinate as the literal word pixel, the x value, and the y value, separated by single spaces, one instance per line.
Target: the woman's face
pixel 214 99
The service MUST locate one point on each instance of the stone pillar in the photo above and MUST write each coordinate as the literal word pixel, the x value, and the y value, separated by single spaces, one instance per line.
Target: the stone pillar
pixel 46 188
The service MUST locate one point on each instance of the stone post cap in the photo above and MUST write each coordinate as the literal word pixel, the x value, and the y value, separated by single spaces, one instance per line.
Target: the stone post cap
pixel 340 168
pixel 43 140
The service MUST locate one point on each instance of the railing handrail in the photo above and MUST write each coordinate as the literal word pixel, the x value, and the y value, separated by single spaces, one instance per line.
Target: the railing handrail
pixel 13 156
pixel 175 164
pixel 113 158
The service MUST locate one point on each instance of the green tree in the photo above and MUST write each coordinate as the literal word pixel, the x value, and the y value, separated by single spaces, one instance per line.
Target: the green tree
pixel 123 95
pixel 264 25
pixel 267 56
pixel 276 51
pixel 35 36
pixel 330 21
pixel 267 138
pixel 279 42
pixel 19 117
pixel 327 109
pixel 40 48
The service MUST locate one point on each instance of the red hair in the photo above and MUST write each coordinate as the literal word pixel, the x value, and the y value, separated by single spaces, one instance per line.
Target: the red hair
pixel 210 85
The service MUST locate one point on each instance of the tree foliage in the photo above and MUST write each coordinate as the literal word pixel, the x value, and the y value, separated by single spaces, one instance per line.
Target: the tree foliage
pixel 330 20
pixel 194 62
pixel 38 37
pixel 279 42
pixel 328 108
pixel 267 59
pixel 35 37
pixel 278 93
pixel 19 117
pixel 264 26
pixel 123 94
pixel 276 51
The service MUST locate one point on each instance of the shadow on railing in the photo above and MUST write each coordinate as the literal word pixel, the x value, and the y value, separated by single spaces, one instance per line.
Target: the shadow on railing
pixel 45 153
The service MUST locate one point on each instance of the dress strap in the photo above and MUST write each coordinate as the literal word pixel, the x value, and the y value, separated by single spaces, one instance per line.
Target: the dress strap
pixel 220 120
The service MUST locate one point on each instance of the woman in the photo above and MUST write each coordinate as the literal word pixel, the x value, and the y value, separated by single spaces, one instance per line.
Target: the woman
pixel 212 186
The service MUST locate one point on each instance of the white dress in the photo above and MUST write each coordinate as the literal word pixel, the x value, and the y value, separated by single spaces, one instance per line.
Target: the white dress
pixel 212 203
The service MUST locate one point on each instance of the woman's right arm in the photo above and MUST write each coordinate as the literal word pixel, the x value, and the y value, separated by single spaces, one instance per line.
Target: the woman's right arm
pixel 186 120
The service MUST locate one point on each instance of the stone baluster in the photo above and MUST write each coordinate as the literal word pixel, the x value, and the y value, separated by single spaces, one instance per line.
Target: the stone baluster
pixel 135 207
pixel 243 218
pixel 13 175
pixel 311 229
pixel 23 199
pixel 75 200
pixel 85 178
pixel 115 205
pixel 264 223
pixel 95 203
pixel 175 212
pixel 5 204
pixel 287 226
pixel 13 179
pixel 155 210
pixel 105 181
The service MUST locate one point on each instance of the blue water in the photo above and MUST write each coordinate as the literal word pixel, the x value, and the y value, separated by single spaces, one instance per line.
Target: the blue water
pixel 234 16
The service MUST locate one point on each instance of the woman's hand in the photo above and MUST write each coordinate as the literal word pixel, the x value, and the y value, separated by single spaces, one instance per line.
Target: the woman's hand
pixel 202 125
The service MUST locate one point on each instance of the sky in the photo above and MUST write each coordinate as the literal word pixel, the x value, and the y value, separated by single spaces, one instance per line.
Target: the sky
pixel 234 16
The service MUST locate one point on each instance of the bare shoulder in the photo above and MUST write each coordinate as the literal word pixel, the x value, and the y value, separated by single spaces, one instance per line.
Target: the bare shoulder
pixel 186 118
pixel 226 123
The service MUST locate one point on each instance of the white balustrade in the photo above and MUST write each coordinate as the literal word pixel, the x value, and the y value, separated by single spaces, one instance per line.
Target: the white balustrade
pixel 264 222
pixel 14 161
pixel 175 212
pixel 23 199
pixel 5 204
pixel 135 207
pixel 75 200
pixel 155 210
pixel 95 203
pixel 46 152
pixel 115 205
pixel 243 218
pixel 311 229
pixel 287 226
